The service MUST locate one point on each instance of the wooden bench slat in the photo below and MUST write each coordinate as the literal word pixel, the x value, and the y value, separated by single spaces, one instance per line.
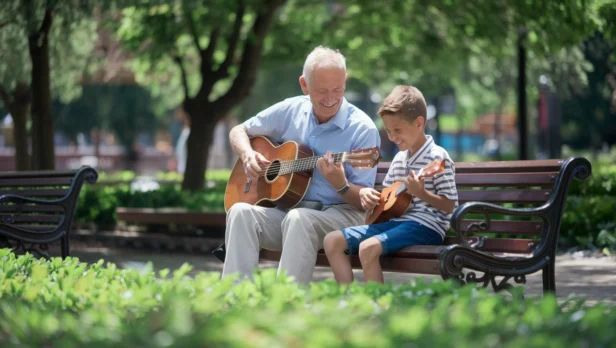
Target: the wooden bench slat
pixel 47 193
pixel 38 174
pixel 497 167
pixel 28 208
pixel 507 226
pixel 498 179
pixel 36 228
pixel 14 182
pixel 503 196
pixel 422 259
pixel 170 215
pixel 34 218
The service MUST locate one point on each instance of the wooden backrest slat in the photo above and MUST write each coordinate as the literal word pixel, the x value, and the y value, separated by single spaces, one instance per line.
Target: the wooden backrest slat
pixel 509 166
pixel 503 196
pixel 501 245
pixel 33 218
pixel 507 226
pixel 37 228
pixel 47 193
pixel 506 179
pixel 497 167
pixel 38 174
pixel 544 179
pixel 55 181
pixel 28 208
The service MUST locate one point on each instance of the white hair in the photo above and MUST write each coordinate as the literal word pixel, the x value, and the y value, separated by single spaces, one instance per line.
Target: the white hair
pixel 323 56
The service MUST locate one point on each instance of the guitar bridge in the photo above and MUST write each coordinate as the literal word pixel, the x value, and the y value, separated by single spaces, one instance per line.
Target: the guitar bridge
pixel 247 187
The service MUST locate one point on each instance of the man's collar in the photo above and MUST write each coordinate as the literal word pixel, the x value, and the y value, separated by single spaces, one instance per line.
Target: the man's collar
pixel 339 119
pixel 341 116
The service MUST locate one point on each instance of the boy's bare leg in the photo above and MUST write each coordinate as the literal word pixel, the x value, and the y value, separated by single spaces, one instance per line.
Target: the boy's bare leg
pixel 370 252
pixel 335 245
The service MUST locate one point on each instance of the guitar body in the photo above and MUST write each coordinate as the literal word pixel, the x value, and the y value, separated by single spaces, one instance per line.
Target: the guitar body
pixel 390 205
pixel 270 190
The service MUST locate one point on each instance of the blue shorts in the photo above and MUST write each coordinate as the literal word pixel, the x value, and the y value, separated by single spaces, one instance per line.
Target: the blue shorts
pixel 393 235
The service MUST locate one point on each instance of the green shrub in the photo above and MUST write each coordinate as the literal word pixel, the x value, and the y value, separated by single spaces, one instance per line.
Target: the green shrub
pixel 68 303
pixel 589 221
pixel 601 183
pixel 126 176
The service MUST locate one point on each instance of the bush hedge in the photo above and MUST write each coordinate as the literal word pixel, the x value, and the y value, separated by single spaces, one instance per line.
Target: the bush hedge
pixel 69 303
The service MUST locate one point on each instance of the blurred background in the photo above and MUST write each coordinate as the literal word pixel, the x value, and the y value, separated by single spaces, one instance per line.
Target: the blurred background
pixel 147 91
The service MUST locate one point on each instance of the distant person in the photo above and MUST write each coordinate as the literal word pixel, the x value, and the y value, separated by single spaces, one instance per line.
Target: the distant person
pixel 181 146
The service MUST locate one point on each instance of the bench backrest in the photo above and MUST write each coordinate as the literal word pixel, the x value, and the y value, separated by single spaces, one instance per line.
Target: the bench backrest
pixel 512 183
pixel 58 189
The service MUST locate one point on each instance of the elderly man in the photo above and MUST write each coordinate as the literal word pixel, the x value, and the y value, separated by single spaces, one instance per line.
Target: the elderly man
pixel 326 122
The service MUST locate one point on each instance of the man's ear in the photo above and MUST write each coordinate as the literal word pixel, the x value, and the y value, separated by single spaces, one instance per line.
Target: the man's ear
pixel 303 84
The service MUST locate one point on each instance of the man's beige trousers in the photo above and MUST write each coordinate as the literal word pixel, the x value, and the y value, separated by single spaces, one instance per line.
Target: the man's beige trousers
pixel 298 233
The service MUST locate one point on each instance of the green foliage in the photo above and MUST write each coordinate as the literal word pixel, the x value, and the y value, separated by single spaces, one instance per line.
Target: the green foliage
pixel 98 204
pixel 69 303
pixel 71 41
pixel 602 182
pixel 126 110
pixel 589 220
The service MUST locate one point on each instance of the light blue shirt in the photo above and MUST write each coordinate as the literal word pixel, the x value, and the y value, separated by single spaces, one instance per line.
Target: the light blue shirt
pixel 350 129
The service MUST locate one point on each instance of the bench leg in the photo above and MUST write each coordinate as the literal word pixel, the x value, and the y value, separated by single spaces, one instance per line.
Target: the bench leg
pixel 64 246
pixel 549 277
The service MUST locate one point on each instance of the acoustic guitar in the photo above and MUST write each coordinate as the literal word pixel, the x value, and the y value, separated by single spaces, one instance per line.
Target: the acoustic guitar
pixel 285 180
pixel 395 201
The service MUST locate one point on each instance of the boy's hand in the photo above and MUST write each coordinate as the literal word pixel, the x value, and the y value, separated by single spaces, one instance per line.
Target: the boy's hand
pixel 369 198
pixel 333 173
pixel 414 185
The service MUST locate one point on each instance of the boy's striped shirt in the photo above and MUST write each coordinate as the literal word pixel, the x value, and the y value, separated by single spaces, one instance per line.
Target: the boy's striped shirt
pixel 441 184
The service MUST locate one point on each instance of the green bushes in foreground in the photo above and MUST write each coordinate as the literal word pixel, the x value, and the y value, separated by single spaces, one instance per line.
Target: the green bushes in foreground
pixel 68 303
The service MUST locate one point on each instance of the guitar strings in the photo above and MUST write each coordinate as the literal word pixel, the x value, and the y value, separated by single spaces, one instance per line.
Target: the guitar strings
pixel 301 162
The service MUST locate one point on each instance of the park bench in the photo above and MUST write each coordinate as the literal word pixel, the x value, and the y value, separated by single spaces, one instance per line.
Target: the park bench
pixel 506 226
pixel 37 208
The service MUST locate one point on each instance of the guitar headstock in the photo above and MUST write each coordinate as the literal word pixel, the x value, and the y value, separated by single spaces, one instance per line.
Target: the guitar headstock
pixel 435 167
pixel 363 158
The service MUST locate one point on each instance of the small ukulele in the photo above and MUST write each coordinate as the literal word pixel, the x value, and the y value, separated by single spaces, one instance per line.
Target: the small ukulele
pixel 285 180
pixel 395 200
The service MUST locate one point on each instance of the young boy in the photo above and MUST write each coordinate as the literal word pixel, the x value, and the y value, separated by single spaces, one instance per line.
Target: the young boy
pixel 434 199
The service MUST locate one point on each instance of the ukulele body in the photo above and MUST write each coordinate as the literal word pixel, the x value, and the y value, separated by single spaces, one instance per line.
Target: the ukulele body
pixel 271 189
pixel 390 206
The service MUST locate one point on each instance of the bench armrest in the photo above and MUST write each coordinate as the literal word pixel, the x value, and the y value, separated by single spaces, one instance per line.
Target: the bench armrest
pixel 486 209
pixel 550 212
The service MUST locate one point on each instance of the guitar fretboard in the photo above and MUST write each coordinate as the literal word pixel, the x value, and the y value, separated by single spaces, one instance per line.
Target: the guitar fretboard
pixel 302 164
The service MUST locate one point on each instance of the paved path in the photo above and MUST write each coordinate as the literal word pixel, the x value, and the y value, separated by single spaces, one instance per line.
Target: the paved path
pixel 591 277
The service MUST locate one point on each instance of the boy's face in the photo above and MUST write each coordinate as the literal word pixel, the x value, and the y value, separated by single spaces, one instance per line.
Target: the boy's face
pixel 403 133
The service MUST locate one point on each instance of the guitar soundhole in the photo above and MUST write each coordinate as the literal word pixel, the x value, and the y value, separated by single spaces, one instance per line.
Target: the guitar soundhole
pixel 272 171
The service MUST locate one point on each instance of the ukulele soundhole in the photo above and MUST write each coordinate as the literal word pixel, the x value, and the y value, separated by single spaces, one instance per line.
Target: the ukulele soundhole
pixel 273 171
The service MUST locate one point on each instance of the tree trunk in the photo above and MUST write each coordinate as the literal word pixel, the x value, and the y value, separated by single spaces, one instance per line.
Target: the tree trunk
pixel 43 154
pixel 18 105
pixel 20 136
pixel 198 150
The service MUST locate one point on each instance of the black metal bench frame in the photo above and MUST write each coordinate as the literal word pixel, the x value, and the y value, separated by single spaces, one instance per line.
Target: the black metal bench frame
pixel 37 208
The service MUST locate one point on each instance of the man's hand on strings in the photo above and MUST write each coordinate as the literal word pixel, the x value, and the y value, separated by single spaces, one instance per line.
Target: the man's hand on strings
pixel 254 164
pixel 333 173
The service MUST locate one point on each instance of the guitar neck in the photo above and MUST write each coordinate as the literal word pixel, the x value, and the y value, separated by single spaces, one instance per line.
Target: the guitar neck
pixel 306 163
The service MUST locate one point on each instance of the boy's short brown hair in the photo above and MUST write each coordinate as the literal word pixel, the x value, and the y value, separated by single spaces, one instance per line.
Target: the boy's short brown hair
pixel 405 101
